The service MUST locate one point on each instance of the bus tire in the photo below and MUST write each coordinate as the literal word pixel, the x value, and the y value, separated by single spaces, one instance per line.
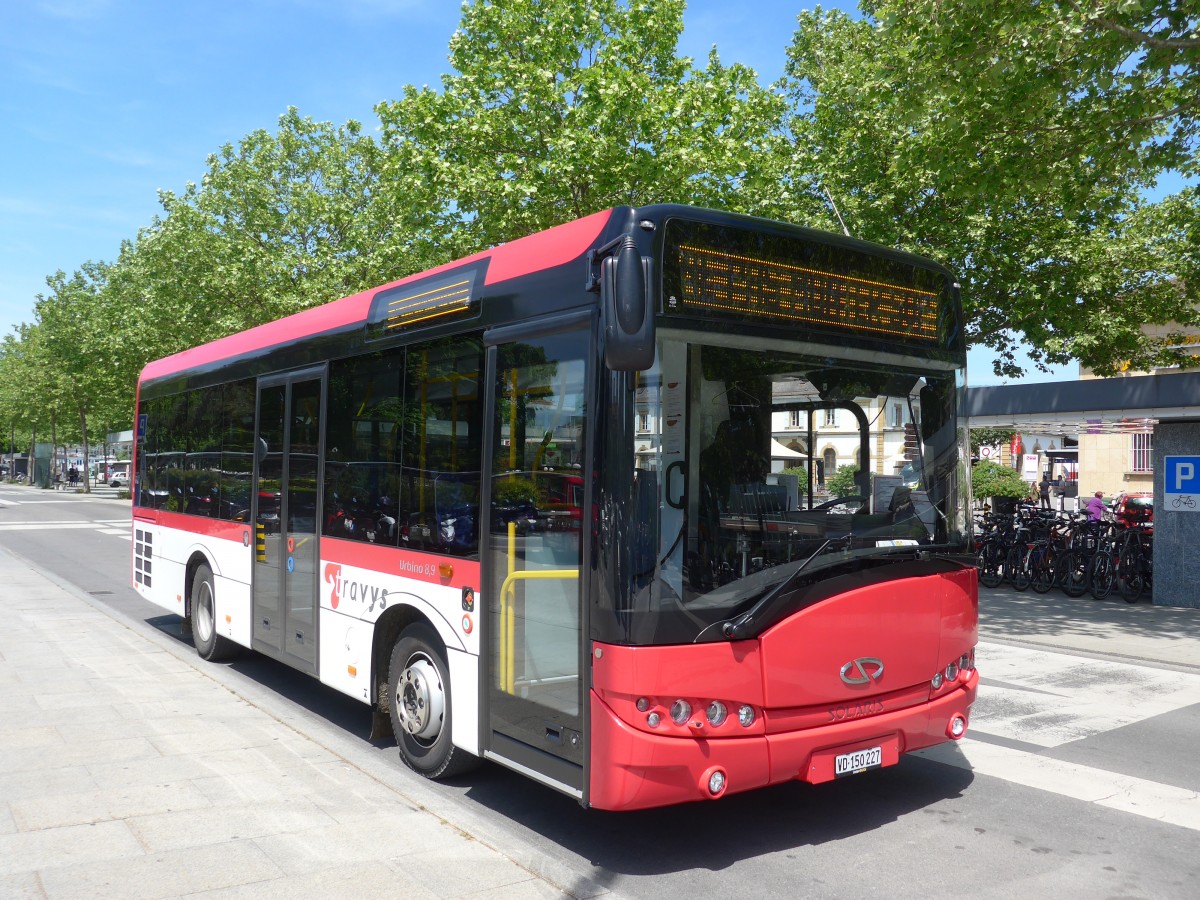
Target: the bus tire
pixel 420 706
pixel 209 645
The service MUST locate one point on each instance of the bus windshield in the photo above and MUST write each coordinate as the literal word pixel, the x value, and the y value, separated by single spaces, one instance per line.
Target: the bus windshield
pixel 763 472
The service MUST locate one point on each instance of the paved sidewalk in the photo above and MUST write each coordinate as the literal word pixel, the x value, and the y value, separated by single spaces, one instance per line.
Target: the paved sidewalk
pixel 128 771
pixel 1135 632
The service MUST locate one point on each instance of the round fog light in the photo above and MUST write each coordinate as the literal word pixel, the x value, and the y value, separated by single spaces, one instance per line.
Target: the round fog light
pixel 958 727
pixel 713 782
pixel 746 716
pixel 643 704
pixel 653 719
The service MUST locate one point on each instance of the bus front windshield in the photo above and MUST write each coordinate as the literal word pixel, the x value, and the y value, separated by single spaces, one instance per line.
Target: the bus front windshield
pixel 762 473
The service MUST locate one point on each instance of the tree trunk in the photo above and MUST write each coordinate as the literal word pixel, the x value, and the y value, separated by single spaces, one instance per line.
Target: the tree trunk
pixel 87 482
pixel 31 466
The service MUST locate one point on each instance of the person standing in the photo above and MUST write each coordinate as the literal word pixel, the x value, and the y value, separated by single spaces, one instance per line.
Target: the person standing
pixel 1044 491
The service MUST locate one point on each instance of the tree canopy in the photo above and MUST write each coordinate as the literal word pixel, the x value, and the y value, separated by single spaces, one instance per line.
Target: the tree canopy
pixel 556 110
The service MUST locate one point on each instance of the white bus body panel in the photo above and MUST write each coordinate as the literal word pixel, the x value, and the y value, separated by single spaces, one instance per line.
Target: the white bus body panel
pixel 160 558
pixel 352 599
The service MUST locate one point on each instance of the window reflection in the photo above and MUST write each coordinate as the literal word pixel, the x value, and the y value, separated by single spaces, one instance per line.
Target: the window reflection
pixel 403 447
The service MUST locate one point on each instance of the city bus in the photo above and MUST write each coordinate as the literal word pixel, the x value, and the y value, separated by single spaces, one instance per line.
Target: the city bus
pixel 523 506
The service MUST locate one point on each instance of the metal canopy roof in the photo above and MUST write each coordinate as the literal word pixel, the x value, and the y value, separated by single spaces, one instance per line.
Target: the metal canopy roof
pixel 1093 406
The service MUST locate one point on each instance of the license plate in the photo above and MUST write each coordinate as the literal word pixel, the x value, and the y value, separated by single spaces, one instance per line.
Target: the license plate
pixel 858 761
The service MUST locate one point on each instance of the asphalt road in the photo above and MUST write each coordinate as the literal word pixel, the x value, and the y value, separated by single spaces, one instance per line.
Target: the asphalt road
pixel 1079 778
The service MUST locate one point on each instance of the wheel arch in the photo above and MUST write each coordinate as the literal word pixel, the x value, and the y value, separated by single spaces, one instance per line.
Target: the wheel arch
pixel 195 560
pixel 388 629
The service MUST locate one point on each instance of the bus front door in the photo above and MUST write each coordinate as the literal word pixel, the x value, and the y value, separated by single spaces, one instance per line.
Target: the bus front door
pixel 533 559
pixel 286 509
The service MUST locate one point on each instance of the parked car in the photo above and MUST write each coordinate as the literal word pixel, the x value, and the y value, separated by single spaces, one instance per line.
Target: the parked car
pixel 1134 509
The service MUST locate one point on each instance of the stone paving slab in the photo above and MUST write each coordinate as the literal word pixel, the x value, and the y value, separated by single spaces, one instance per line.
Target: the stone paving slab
pixel 126 772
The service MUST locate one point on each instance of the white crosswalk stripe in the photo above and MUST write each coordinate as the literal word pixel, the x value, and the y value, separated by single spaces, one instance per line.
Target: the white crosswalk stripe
pixel 1162 802
pixel 1049 699
pixel 1044 699
pixel 119 527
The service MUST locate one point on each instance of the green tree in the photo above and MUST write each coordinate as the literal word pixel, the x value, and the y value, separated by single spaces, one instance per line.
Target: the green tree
pixel 1058 255
pixel 1113 85
pixel 990 479
pixel 279 223
pixel 31 387
pixel 556 110
pixel 842 483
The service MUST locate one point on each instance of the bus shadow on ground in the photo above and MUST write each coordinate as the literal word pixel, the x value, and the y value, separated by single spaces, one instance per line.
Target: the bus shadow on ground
pixel 290 684
pixel 715 835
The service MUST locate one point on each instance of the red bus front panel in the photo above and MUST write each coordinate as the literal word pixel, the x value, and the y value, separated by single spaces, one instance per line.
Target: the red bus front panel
pixel 851 676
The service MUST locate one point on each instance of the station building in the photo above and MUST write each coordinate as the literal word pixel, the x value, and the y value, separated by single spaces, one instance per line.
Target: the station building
pixel 1126 430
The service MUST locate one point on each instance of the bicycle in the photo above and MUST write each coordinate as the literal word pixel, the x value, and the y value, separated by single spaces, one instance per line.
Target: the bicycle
pixel 1106 561
pixel 1074 565
pixel 1136 565
pixel 993 550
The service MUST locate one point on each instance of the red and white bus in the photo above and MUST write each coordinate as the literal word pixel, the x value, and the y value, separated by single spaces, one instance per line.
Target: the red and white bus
pixel 523 505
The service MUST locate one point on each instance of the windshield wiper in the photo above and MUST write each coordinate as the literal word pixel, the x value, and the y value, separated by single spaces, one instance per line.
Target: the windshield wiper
pixel 736 628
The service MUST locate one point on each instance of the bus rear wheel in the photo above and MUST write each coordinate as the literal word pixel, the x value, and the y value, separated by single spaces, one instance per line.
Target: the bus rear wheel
pixel 209 645
pixel 420 708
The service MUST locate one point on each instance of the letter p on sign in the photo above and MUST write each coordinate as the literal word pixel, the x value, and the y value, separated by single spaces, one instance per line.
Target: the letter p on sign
pixel 1184 471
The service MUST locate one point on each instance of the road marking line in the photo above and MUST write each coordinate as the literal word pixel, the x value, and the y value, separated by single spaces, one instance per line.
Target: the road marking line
pixel 43 526
pixel 1126 793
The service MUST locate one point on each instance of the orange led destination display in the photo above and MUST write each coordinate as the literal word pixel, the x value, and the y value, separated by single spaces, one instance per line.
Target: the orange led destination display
pixel 715 282
pixel 423 302
pixel 428 304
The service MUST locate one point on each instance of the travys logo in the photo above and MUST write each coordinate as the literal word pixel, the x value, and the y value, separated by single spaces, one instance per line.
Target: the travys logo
pixel 370 595
pixel 333 575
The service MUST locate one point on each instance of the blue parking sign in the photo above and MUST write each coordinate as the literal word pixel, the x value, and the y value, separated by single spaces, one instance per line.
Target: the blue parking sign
pixel 1181 483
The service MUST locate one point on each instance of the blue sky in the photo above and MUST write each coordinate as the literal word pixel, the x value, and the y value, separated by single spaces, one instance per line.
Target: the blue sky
pixel 107 101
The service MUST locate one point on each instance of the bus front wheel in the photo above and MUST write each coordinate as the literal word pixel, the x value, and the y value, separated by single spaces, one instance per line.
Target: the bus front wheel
pixel 210 645
pixel 419 703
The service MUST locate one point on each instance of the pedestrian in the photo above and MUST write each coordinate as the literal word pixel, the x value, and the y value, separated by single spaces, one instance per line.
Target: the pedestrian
pixel 1095 507
pixel 1044 491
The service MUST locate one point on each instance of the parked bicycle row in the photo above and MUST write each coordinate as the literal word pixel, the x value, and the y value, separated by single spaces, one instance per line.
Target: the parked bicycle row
pixel 1077 554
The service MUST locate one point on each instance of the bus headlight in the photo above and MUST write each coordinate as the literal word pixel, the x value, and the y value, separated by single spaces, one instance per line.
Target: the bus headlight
pixel 746 715
pixel 681 711
pixel 717 713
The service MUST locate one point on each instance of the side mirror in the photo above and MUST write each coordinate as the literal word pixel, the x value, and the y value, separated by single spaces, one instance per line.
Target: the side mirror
pixel 627 310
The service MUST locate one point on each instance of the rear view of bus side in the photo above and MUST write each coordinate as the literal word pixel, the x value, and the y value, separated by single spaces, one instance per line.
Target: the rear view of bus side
pixel 533 506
